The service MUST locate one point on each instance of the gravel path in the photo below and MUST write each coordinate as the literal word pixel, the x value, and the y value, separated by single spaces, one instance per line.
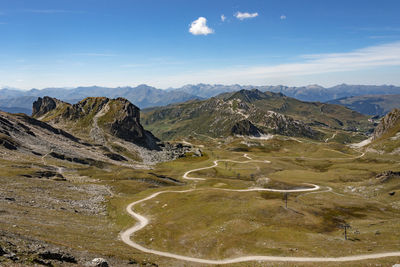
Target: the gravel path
pixel 144 221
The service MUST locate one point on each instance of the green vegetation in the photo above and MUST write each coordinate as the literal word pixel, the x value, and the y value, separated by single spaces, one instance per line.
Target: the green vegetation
pixel 216 116
pixel 212 223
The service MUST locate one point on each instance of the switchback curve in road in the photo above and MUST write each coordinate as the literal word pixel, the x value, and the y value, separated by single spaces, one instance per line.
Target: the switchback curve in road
pixel 144 221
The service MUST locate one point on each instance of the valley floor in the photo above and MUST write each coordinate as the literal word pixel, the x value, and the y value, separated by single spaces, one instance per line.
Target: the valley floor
pixel 228 205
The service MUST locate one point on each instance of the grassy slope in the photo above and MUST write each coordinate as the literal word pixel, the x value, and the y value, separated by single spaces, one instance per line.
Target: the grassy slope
pixel 218 224
pixel 214 117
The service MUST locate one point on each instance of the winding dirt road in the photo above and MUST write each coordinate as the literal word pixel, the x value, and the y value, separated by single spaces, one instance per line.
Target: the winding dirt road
pixel 144 221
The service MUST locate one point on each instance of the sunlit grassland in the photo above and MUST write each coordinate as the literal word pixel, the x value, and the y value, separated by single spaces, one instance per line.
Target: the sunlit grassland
pixel 210 223
pixel 220 224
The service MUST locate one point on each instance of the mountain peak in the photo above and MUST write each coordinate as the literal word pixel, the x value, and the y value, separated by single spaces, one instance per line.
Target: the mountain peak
pixel 95 118
pixel 44 105
pixel 248 95
pixel 314 86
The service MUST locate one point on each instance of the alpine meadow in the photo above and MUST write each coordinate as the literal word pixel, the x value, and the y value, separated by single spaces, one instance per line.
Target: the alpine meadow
pixel 199 133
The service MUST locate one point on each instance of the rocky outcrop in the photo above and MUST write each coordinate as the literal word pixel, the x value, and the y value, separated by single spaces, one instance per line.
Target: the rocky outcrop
pixel 126 125
pixel 285 125
pixel 390 124
pixel 245 128
pixel 99 115
pixel 44 105
pixel 387 176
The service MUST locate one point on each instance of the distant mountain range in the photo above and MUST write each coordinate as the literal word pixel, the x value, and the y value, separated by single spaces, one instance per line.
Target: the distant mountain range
pixel 142 96
pixel 370 104
pixel 304 93
pixel 145 96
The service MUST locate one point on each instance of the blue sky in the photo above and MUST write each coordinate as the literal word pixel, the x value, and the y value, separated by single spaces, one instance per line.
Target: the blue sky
pixel 65 43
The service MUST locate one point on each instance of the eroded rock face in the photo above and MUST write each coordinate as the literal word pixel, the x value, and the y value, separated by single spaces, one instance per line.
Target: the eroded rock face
pixel 127 124
pixel 285 125
pixel 100 115
pixel 387 124
pixel 246 128
pixel 44 105
pixel 387 175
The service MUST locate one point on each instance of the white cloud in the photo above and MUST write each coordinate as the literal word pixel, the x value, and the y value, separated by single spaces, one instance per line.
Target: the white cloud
pixel 223 18
pixel 245 15
pixel 199 27
pixel 283 17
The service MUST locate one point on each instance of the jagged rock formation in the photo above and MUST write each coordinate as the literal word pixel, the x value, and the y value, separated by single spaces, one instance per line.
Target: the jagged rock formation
pixel 285 125
pixel 389 125
pixel 245 127
pixel 387 176
pixel 103 116
pixel 44 105
pixel 269 112
pixel 110 128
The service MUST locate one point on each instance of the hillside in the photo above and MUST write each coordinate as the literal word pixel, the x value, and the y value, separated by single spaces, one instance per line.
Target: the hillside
pixel 26 135
pixel 57 189
pixel 386 137
pixel 268 112
pixel 376 105
pixel 96 118
pixel 113 125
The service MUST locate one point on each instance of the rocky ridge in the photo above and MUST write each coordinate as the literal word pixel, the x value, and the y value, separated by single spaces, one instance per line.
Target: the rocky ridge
pixel 390 124
pixel 237 113
pixel 97 132
pixel 286 125
pixel 116 117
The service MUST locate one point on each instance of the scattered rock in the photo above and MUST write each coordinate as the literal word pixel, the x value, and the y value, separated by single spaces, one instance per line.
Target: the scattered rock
pixel 9 144
pixel 41 262
pixel 387 175
pixel 197 152
pixel 99 262
pixel 58 256
pixel 12 256
pixel 115 157
pixel 48 175
pixel 132 261
pixel 2 252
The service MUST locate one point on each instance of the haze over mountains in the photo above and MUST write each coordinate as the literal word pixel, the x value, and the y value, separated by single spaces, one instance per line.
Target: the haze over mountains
pixel 13 100
pixel 370 104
